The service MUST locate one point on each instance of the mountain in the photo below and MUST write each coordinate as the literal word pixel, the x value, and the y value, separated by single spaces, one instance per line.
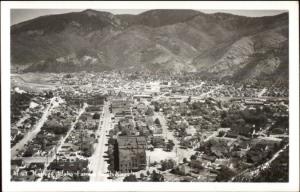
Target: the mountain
pixel 218 45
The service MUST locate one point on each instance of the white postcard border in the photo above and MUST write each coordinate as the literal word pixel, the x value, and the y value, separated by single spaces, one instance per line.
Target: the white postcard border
pixel 292 185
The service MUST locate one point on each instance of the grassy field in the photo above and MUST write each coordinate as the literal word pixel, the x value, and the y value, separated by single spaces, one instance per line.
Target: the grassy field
pixel 38 78
pixel 34 81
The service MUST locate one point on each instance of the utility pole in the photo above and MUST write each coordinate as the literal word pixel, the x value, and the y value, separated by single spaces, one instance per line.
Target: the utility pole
pixel 176 155
pixel 56 155
pixel 81 138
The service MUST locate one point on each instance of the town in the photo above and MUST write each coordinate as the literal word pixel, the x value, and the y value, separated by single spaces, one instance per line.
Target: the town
pixel 130 126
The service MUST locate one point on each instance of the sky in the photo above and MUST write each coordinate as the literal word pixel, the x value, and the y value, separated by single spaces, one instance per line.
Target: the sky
pixel 20 15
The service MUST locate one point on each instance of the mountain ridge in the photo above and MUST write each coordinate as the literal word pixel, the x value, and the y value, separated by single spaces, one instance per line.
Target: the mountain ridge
pixel 220 44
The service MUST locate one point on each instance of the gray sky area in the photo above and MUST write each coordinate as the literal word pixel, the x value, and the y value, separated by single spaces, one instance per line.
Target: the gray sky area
pixel 20 15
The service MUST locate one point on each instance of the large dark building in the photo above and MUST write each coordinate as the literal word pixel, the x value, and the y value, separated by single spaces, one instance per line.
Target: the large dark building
pixel 130 154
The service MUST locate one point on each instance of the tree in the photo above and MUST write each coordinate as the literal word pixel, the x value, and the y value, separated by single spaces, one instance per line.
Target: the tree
pixel 60 130
pixel 167 164
pixel 170 145
pixel 156 106
pixel 83 118
pixel 193 157
pixel 221 133
pixel 277 131
pixel 224 174
pixel 157 177
pixel 68 75
pixel 142 175
pixel 171 142
pixel 184 160
pixel 96 116
pixel 130 178
pixel 157 121
pixel 87 150
pixel 189 99
pixel 29 152
pixel 149 111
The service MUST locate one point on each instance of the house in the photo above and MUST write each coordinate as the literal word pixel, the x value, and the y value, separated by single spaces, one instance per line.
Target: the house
pixel 126 126
pixel 23 172
pixel 141 125
pixel 16 165
pixel 183 169
pixel 196 164
pixel 208 158
pixel 157 129
pixel 17 162
pixel 145 131
pixel 14 132
pixel 138 97
pixel 34 166
pixel 79 166
pixel 254 101
pixel 94 108
pixel 141 107
pixel 219 150
pixel 119 106
pixel 69 147
pixel 232 134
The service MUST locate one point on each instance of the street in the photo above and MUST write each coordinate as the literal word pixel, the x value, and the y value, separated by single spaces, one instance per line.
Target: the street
pixel 167 134
pixel 97 162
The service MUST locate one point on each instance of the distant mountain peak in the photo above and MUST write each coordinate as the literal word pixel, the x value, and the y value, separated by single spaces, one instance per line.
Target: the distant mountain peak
pixel 90 12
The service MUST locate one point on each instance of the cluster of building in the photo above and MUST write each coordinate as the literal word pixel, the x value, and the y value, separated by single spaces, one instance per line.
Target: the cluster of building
pixel 206 127
pixel 42 147
pixel 26 110
pixel 71 162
